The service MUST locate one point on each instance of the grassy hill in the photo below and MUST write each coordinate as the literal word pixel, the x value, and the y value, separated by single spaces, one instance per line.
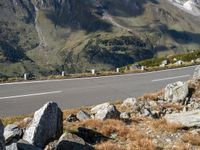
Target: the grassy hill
pixel 79 35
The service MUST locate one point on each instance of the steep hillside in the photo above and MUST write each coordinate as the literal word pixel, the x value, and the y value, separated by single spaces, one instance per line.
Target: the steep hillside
pixel 46 36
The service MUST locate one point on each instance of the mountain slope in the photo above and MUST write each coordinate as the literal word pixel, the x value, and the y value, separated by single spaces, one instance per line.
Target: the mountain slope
pixel 46 36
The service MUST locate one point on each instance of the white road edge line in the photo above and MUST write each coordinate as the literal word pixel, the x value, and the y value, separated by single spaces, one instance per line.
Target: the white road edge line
pixel 87 78
pixel 170 78
pixel 29 95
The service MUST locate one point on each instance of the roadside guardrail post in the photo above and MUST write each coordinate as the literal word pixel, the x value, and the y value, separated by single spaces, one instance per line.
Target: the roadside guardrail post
pixel 63 73
pixel 25 76
pixel 93 71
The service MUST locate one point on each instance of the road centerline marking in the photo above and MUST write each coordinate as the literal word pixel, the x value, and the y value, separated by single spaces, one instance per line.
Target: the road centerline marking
pixel 30 95
pixel 170 78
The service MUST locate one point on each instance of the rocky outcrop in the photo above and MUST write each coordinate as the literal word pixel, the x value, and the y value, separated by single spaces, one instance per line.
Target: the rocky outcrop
pixel 45 126
pixel 176 91
pixel 2 140
pixel 105 111
pixel 185 119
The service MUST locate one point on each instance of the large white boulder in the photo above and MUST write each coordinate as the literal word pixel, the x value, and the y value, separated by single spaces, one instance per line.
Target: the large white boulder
pixel 185 119
pixel 2 141
pixel 105 111
pixel 176 91
pixel 45 126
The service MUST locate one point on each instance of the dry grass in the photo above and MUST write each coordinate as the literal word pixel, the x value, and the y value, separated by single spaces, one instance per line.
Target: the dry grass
pixel 193 139
pixel 174 106
pixel 163 125
pixel 152 96
pixel 135 139
pixel 108 146
pixel 181 146
pixel 14 119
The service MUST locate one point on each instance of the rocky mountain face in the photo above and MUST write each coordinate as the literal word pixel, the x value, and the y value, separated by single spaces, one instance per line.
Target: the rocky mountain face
pixel 46 36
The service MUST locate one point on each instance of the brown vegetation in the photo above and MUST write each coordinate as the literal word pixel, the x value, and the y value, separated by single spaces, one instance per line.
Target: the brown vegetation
pixel 153 96
pixel 163 125
pixel 192 138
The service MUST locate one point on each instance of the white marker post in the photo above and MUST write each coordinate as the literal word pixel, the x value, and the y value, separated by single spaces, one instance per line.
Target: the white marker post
pixel 63 73
pixel 142 68
pixel 117 70
pixel 25 76
pixel 93 71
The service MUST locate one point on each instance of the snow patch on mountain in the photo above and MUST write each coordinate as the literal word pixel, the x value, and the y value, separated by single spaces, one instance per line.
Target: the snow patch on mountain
pixel 189 6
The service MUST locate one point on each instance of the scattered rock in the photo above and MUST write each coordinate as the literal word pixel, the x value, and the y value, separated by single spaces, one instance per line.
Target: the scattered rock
pixel 45 126
pixel 12 131
pixel 72 118
pixel 185 119
pixel 125 116
pixel 72 142
pixel 129 102
pixel 2 140
pixel 176 92
pixel 105 111
pixel 82 115
pixel 197 72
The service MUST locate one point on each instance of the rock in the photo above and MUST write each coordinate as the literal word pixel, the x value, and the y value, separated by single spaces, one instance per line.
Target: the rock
pixel 176 92
pixel 105 111
pixel 125 116
pixel 129 102
pixel 12 131
pixel 21 145
pixel 2 140
pixel 185 119
pixel 45 126
pixel 72 118
pixel 82 115
pixel 72 142
pixel 12 146
pixel 197 72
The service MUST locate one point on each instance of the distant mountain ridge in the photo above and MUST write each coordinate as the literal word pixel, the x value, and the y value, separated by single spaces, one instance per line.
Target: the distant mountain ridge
pixel 42 37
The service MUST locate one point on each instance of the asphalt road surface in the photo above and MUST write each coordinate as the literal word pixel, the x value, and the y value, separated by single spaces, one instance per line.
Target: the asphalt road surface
pixel 26 97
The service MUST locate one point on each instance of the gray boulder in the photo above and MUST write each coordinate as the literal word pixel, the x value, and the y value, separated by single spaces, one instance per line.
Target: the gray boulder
pixel 105 111
pixel 12 131
pixel 185 119
pixel 197 72
pixel 72 142
pixel 21 145
pixel 82 115
pixel 176 92
pixel 2 140
pixel 45 126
